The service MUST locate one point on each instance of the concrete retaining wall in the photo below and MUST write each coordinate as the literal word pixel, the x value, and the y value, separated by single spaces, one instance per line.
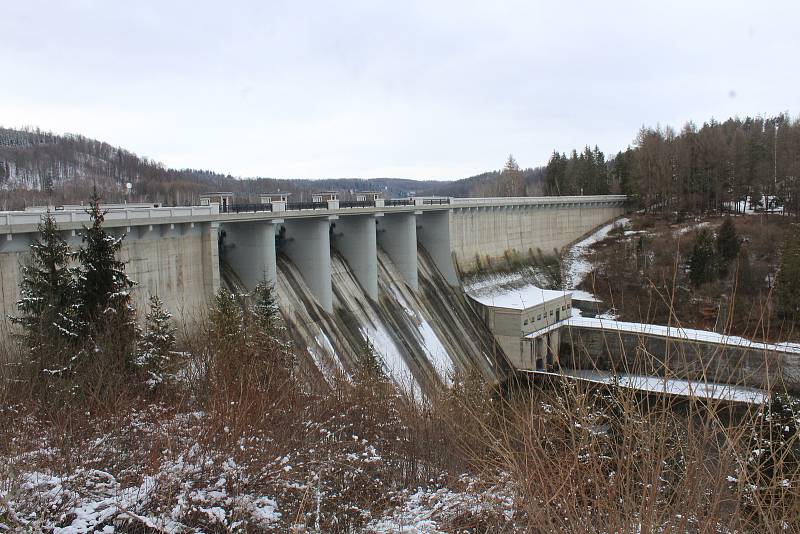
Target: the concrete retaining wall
pixel 483 236
pixel 589 348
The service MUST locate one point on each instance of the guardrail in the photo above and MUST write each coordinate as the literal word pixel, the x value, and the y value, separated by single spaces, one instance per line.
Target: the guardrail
pixel 435 201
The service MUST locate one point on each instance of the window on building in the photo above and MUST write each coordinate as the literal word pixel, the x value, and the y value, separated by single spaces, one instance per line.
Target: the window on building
pixel 551 313
pixel 525 321
pixel 563 308
pixel 539 317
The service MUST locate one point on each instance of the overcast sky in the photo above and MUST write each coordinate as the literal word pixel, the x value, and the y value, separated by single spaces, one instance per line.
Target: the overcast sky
pixel 416 89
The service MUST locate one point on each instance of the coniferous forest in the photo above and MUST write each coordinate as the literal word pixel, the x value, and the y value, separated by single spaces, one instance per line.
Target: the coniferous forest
pixel 714 167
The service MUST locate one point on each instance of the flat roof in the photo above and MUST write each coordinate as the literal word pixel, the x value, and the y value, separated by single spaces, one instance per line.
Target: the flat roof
pixel 519 298
pixel 215 193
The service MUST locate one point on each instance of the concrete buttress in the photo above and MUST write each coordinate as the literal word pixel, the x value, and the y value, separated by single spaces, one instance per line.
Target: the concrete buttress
pixel 307 243
pixel 210 245
pixel 397 235
pixel 355 238
pixel 250 251
pixel 433 232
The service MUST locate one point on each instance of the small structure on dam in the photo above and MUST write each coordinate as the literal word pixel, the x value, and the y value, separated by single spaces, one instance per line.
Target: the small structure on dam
pixel 516 312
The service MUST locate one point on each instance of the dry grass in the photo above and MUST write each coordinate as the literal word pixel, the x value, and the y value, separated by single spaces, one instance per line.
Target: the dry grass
pixel 240 435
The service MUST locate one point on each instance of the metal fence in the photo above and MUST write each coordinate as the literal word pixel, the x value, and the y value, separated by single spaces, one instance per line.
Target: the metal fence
pixel 395 202
pixel 356 204
pixel 245 208
pixel 307 205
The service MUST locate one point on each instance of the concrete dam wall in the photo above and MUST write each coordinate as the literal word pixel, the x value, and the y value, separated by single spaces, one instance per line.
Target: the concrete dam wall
pixel 179 263
pixel 485 235
pixel 376 278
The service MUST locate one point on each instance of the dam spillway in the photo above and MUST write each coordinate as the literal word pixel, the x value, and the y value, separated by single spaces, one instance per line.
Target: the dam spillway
pixel 421 338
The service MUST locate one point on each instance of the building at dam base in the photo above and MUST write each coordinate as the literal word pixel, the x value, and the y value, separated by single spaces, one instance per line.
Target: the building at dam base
pixel 176 253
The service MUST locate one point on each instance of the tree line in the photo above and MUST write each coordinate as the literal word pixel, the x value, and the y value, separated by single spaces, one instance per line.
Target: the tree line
pixel 750 163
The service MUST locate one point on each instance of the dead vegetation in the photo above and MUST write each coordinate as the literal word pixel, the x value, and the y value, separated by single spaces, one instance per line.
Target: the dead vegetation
pixel 643 274
pixel 242 445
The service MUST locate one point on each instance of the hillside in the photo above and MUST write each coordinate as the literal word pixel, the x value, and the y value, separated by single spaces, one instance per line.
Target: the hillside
pixel 39 167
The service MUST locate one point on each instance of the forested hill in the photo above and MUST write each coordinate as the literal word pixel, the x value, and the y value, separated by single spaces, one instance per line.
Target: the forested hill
pixel 697 169
pixel 40 167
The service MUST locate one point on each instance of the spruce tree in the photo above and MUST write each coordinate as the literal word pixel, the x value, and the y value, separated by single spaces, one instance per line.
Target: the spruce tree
pixel 47 303
pixel 702 266
pixel 105 309
pixel 104 287
pixel 156 346
pixel 227 318
pixel 728 244
pixel 265 306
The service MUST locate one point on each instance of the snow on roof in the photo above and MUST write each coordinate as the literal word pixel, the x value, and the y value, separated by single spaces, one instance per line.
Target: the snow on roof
pixel 519 298
pixel 669 331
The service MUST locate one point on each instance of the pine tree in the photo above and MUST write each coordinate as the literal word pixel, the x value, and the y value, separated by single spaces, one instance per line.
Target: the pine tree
pixel 47 303
pixel 156 346
pixel 702 268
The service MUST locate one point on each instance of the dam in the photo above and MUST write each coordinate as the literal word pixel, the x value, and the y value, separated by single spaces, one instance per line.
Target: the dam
pixel 378 274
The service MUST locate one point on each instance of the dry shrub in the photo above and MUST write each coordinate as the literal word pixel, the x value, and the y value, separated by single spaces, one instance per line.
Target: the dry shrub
pixel 607 459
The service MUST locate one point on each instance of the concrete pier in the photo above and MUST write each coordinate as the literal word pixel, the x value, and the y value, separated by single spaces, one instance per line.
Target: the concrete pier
pixel 433 232
pixel 397 235
pixel 250 251
pixel 307 243
pixel 355 238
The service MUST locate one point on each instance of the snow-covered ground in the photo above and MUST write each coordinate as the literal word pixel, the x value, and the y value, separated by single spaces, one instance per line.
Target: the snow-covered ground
pixel 672 386
pixel 577 262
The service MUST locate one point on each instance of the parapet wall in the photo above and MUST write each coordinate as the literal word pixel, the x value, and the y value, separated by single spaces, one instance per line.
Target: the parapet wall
pixel 484 236
pixel 627 352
